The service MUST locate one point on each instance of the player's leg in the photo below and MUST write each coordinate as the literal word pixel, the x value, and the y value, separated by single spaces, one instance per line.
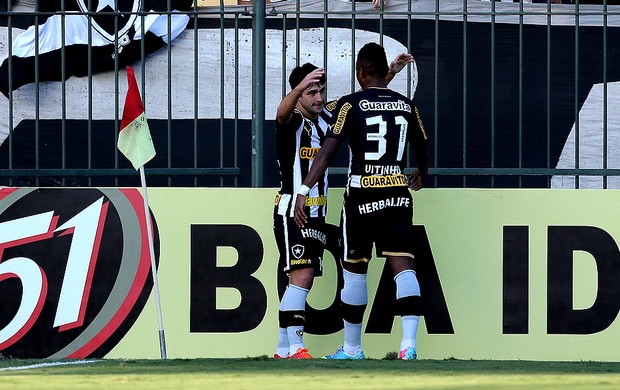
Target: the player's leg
pixel 293 310
pixel 354 297
pixel 407 303
pixel 354 294
pixel 283 346
pixel 303 253
pixel 395 243
pixel 282 349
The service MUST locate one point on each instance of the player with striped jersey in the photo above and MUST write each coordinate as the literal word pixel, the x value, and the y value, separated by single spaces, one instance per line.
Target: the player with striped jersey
pixel 301 123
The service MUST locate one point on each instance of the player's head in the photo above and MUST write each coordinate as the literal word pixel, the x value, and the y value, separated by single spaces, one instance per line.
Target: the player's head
pixel 371 61
pixel 300 72
pixel 312 100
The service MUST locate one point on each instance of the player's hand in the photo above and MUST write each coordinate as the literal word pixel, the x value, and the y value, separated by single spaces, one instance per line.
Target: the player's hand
pixel 416 181
pixel 312 78
pixel 400 62
pixel 300 214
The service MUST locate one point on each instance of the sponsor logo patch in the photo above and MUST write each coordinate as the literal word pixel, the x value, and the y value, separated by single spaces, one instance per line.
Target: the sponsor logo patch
pixel 417 114
pixel 318 201
pixel 342 116
pixel 313 233
pixel 400 105
pixel 308 153
pixel 370 207
pixel 301 262
pixel 383 181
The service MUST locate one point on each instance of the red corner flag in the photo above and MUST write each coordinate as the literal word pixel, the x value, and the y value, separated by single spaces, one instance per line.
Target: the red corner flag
pixel 134 139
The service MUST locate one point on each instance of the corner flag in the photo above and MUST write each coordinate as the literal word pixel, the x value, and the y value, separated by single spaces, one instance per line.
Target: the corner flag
pixel 134 139
pixel 135 142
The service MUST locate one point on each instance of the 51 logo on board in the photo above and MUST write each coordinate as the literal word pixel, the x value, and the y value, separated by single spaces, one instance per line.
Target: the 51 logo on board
pixel 74 270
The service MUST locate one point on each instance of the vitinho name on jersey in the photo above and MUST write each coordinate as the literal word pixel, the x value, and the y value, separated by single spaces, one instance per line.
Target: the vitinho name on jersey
pixel 313 233
pixel 382 204
pixel 383 181
pixel 382 169
pixel 308 153
pixel 400 105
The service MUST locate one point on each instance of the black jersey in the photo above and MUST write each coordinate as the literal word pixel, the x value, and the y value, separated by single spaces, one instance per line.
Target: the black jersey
pixel 297 143
pixel 379 123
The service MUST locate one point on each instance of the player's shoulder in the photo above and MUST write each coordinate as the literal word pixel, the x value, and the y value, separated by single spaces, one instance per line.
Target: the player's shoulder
pixel 401 96
pixel 397 99
pixel 349 100
pixel 331 106
pixel 294 122
pixel 386 93
pixel 340 106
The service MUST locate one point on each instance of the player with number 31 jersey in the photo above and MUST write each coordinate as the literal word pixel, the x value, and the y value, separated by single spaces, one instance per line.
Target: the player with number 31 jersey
pixel 379 123
pixel 378 208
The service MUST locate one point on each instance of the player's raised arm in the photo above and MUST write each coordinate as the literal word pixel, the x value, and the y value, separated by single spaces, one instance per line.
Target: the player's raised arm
pixel 287 105
pixel 397 65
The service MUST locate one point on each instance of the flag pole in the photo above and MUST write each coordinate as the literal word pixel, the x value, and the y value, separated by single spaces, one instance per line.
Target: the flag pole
pixel 149 230
pixel 135 142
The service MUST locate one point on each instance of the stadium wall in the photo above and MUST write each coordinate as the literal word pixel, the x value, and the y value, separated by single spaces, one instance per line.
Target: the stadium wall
pixel 505 274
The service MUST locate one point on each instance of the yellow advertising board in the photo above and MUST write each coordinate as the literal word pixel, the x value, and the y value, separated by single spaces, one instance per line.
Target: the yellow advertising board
pixel 504 274
pixel 523 274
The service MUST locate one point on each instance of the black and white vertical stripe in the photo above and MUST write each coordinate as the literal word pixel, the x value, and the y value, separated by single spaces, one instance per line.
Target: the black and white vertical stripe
pixel 294 169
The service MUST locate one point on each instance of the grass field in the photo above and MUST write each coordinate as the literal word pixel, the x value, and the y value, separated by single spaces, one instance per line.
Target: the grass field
pixel 264 373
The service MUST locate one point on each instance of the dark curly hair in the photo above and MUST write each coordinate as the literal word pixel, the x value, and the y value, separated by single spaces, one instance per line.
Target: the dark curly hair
pixel 372 58
pixel 300 72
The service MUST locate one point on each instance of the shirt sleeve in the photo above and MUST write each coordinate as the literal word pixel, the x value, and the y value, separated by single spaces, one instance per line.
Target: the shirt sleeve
pixel 418 140
pixel 331 106
pixel 292 125
pixel 338 127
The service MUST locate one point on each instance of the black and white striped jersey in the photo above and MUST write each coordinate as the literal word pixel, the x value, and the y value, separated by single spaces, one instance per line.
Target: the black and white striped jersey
pixel 297 143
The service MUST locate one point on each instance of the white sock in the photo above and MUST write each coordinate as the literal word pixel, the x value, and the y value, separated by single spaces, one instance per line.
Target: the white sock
pixel 354 292
pixel 406 286
pixel 283 349
pixel 352 338
pixel 294 299
pixel 410 329
pixel 295 338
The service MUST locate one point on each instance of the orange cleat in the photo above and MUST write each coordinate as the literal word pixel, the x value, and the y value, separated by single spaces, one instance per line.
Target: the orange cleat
pixel 301 353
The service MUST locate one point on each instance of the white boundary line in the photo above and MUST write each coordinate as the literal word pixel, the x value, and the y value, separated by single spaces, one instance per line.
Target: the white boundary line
pixel 43 365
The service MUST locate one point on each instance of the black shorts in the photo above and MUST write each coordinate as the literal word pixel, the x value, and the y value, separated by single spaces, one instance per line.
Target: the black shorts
pixel 383 216
pixel 300 248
